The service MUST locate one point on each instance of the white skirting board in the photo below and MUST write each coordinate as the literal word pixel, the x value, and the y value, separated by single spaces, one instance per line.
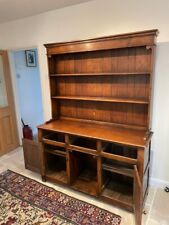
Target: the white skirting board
pixel 158 183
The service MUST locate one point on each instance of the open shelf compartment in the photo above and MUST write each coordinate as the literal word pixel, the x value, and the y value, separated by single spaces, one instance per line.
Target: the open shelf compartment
pixel 83 172
pixel 118 189
pixel 55 150
pixel 56 168
pixel 116 167
pixel 54 138
pixel 119 150
pixel 83 144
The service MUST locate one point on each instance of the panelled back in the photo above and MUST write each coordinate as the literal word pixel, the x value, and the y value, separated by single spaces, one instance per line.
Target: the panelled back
pixel 109 85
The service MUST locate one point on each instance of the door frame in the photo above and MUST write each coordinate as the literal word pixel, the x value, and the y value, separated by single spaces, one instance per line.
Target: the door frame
pixel 9 138
pixel 14 86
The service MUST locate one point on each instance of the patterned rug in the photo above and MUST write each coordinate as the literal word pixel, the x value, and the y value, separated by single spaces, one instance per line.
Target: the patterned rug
pixel 24 201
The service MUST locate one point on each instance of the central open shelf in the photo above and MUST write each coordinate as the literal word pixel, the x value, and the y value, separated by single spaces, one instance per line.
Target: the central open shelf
pixel 83 171
pixel 86 184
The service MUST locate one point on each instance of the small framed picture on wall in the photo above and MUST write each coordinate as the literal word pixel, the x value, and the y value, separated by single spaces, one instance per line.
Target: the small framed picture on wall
pixel 30 58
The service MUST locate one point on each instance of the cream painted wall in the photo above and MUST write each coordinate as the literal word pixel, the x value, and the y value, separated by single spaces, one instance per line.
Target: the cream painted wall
pixel 101 18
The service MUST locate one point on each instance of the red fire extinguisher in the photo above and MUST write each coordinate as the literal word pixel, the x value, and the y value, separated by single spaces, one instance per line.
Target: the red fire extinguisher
pixel 27 131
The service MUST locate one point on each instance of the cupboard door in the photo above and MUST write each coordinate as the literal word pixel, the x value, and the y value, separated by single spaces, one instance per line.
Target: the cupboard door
pixel 31 155
pixel 137 197
pixel 8 129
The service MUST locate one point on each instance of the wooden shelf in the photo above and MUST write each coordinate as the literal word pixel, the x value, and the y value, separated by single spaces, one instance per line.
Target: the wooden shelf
pixel 86 187
pixel 55 163
pixel 116 134
pixel 118 169
pixel 100 74
pixel 82 146
pixel 102 99
pixel 119 193
pixel 57 176
pixel 54 143
pixel 82 149
pixel 56 152
pixel 86 182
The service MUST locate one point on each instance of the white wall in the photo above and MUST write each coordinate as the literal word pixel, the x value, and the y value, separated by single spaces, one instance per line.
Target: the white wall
pixel 101 18
pixel 160 144
pixel 28 91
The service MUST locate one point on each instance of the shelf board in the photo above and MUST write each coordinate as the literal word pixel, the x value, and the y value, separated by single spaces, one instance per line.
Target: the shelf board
pixel 57 176
pixel 118 192
pixel 56 152
pixel 89 187
pixel 100 74
pixel 54 143
pixel 102 99
pixel 119 169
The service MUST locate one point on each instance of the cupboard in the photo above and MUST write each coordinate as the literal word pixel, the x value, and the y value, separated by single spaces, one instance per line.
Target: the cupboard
pixel 99 138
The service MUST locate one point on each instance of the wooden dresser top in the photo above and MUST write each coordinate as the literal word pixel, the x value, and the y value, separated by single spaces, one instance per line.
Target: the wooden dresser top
pixel 116 134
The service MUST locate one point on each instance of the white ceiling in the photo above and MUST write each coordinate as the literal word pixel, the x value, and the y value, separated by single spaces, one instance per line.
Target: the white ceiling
pixel 16 9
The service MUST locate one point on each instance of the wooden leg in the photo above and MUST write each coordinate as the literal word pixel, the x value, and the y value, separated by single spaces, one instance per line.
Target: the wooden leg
pixel 99 174
pixel 43 178
pixel 42 162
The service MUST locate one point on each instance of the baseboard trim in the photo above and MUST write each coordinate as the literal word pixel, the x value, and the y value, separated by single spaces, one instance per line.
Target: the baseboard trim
pixel 158 183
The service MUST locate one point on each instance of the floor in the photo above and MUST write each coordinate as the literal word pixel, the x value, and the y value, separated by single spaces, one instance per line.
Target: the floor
pixel 157 203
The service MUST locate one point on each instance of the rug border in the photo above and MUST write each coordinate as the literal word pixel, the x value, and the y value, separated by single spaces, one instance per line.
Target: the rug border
pixel 56 191
pixel 33 204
